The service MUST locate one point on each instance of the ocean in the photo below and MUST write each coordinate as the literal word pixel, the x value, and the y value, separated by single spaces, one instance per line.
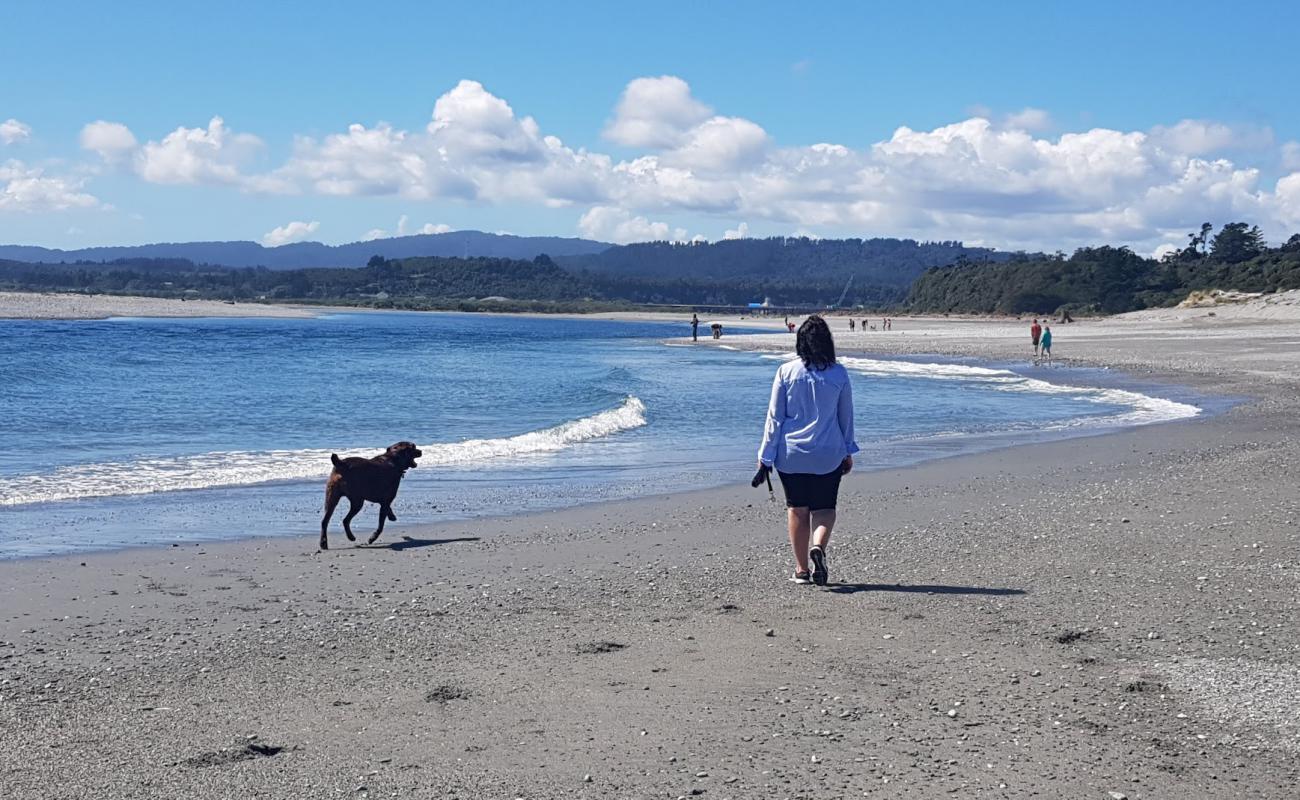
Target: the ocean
pixel 132 432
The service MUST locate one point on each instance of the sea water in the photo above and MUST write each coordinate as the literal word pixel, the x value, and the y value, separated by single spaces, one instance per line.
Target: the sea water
pixel 143 431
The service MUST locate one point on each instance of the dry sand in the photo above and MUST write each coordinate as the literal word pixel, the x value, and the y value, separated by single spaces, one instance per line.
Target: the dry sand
pixel 1097 617
pixel 38 305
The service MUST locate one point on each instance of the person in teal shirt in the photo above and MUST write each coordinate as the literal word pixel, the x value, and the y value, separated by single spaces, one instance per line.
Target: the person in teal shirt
pixel 1045 345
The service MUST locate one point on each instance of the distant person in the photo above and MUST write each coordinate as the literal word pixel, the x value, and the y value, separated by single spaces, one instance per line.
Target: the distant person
pixel 808 440
pixel 1035 331
pixel 717 330
pixel 850 325
pixel 1046 345
pixel 695 328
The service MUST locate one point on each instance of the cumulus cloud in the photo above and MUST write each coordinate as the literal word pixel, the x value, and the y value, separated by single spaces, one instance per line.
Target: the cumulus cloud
pixel 113 141
pixel 655 113
pixel 404 229
pixel 609 224
pixel 720 144
pixel 471 122
pixel 198 155
pixel 12 131
pixel 987 178
pixel 291 232
pixel 741 231
pixel 26 188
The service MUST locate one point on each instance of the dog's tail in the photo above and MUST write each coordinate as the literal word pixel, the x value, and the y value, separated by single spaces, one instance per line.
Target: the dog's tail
pixel 338 462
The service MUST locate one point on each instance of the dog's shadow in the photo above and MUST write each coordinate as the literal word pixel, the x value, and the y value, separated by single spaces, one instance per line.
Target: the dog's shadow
pixel 854 588
pixel 407 543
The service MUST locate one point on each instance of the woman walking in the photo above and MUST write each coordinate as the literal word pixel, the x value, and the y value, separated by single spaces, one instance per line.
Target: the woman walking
pixel 808 439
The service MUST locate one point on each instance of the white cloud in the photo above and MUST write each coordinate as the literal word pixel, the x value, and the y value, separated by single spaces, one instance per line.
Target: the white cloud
pixel 12 131
pixel 1288 200
pixel 404 229
pixel 291 232
pixel 1164 249
pixel 655 113
pixel 1196 137
pixel 198 155
pixel 28 189
pixel 113 141
pixel 741 231
pixel 720 144
pixel 608 224
pixel 471 122
pixel 990 178
pixel 1030 119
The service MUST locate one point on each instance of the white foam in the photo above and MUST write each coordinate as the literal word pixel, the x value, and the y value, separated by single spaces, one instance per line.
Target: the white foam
pixel 243 468
pixel 1141 409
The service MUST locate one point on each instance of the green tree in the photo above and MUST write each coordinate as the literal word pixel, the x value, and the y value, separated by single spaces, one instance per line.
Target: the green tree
pixel 1237 242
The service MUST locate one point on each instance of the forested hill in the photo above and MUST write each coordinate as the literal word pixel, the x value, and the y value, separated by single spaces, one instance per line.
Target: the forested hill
pixel 1111 280
pixel 893 263
pixel 464 244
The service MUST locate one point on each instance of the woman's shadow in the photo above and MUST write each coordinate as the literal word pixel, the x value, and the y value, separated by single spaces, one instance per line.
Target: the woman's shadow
pixel 920 588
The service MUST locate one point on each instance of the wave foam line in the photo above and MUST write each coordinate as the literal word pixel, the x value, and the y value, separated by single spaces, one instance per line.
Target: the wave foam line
pixel 1142 409
pixel 243 468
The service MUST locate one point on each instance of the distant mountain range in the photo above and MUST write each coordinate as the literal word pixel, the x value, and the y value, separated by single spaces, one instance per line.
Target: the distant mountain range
pixel 466 244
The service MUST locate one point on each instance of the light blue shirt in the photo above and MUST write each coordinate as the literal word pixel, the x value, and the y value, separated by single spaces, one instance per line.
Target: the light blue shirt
pixel 809 420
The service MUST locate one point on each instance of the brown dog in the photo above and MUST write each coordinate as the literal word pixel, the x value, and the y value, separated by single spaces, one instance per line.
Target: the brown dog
pixel 361 479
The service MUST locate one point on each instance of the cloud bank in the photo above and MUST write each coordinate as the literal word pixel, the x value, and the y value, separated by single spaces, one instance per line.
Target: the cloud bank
pixel 992 179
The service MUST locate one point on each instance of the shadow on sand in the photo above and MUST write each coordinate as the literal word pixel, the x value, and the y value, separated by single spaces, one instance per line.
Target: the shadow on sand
pixel 854 588
pixel 408 543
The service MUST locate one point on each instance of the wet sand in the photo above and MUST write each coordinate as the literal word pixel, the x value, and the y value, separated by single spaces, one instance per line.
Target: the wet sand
pixel 1113 614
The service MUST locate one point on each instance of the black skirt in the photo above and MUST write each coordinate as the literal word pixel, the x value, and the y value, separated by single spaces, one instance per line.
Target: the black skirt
pixel 813 492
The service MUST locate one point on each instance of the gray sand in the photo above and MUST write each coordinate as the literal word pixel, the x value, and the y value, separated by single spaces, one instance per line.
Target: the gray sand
pixel 1071 619
pixel 49 305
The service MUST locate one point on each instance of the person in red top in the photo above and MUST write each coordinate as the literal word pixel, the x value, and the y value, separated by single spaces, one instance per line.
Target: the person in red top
pixel 1035 331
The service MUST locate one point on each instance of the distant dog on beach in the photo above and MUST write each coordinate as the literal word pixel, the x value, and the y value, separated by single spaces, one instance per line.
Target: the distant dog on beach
pixel 361 479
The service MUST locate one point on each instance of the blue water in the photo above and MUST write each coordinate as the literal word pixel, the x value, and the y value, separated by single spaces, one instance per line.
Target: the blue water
pixel 139 431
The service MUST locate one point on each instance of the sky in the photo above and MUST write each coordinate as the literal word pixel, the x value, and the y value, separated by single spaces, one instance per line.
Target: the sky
pixel 1039 126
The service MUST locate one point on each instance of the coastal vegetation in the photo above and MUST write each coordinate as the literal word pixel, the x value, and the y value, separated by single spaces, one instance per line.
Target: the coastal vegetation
pixel 922 277
pixel 1111 280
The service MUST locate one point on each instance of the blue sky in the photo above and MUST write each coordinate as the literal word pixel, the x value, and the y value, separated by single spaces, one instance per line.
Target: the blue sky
pixel 1123 122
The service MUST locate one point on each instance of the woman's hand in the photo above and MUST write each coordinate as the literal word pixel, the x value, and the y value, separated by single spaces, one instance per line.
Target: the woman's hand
pixel 761 465
pixel 846 466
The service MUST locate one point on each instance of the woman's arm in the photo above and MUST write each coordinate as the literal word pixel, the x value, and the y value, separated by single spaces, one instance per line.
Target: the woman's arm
pixel 845 414
pixel 772 427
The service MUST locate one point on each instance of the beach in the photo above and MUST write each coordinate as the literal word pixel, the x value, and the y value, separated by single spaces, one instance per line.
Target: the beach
pixel 1096 617
pixel 51 305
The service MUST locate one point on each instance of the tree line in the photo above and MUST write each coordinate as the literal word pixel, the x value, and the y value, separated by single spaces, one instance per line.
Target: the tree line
pixel 788 271
pixel 1112 280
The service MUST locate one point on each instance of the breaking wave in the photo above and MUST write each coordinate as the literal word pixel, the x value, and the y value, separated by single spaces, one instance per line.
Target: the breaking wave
pixel 1140 409
pixel 247 468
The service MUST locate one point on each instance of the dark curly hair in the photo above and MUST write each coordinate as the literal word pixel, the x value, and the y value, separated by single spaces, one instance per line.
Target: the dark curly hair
pixel 814 344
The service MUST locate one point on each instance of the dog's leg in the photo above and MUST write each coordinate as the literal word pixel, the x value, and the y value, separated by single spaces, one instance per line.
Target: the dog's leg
pixel 331 501
pixel 352 512
pixel 385 511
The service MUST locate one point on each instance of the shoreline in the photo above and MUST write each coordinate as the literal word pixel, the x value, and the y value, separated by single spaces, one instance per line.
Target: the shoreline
pixel 1067 618
pixel 207 503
